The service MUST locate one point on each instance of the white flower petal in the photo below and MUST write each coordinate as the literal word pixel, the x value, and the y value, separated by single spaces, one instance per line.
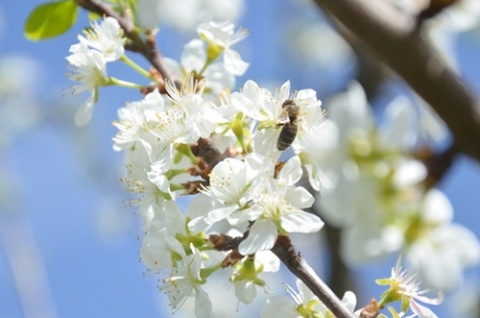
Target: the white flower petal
pixel 160 180
pixel 258 166
pixel 437 208
pixel 284 92
pixel 245 291
pixel 265 143
pixel 218 79
pixel 220 213
pixel 262 236
pixel 301 222
pixel 279 306
pixel 464 242
pixel 154 251
pixel 252 91
pixel 409 173
pixel 421 311
pixel 401 131
pixel 203 304
pixel 198 224
pixel 84 113
pixel 291 172
pixel 234 63
pixel 351 110
pixel 300 197
pixel 270 261
pixel 349 300
pixel 194 56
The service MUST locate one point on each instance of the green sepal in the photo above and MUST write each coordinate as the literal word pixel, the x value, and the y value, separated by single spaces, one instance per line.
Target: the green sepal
pixel 185 150
pixel 50 19
pixel 213 52
pixel 393 312
pixel 241 132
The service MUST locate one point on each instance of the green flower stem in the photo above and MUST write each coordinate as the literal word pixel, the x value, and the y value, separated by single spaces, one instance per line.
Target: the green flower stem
pixel 207 63
pixel 212 53
pixel 176 187
pixel 174 172
pixel 205 272
pixel 387 299
pixel 136 67
pixel 118 82
pixel 187 151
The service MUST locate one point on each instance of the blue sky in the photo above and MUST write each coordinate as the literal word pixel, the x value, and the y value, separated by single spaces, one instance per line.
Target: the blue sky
pixel 66 179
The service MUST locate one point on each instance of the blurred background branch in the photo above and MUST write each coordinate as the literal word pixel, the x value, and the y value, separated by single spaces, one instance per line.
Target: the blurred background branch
pixel 387 33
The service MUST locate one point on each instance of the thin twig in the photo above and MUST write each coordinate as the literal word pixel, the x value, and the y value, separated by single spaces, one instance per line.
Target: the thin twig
pixel 286 252
pixel 147 48
pixel 392 37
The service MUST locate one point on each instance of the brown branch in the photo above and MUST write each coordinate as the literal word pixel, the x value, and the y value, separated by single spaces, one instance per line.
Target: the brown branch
pixel 286 252
pixel 147 48
pixel 392 37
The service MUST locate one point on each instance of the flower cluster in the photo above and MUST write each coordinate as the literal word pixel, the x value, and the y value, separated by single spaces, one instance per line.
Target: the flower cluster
pixel 170 150
pixel 390 206
pixel 200 56
pixel 242 154
pixel 103 43
pixel 221 147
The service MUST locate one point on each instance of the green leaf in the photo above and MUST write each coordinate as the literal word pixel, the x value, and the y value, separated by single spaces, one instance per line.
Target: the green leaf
pixel 50 19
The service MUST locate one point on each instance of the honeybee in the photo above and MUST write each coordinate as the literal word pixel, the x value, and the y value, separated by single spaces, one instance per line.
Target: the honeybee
pixel 289 130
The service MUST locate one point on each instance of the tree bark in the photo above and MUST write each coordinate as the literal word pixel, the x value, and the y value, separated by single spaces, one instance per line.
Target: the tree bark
pixel 394 39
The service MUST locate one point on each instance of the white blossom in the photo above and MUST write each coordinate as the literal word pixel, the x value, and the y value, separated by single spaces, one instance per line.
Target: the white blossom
pixel 222 36
pixel 133 121
pixel 277 208
pixel 185 281
pixel 268 109
pixel 362 155
pixel 105 37
pixel 89 70
pixel 302 304
pixel 159 242
pixel 194 56
pixel 233 183
pixel 441 250
pixel 201 115
pixel 405 286
pixel 316 157
pixel 367 165
pixel 245 279
pixel 139 164
pixel 248 194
